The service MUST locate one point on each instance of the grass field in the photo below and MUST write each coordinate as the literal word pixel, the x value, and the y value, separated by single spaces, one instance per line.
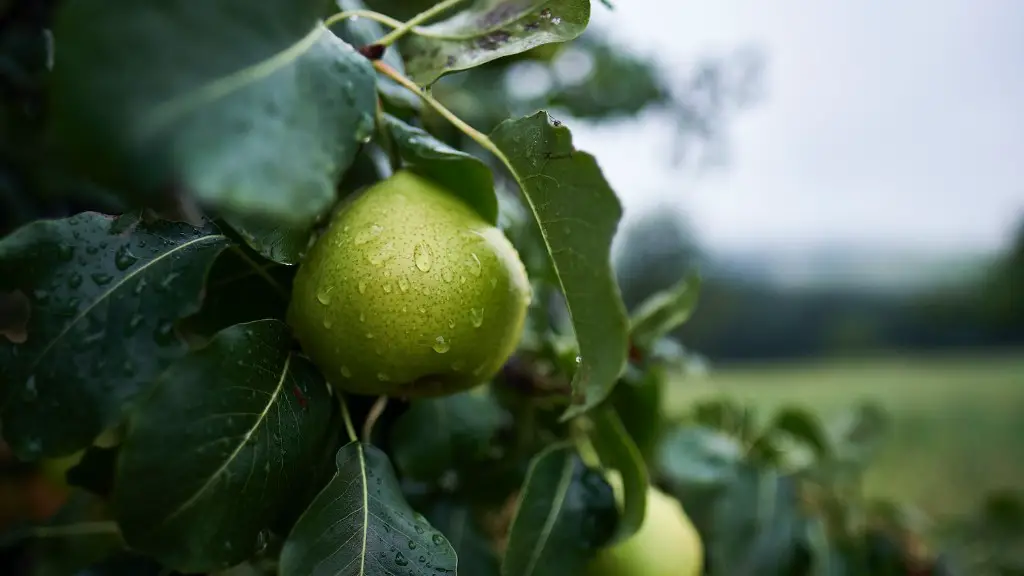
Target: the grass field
pixel 958 421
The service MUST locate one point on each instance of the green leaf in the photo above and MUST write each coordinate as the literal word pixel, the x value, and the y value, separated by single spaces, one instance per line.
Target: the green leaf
pixel 578 215
pixel 218 448
pixel 363 32
pixel 256 109
pixel 663 312
pixel 565 512
pixel 698 456
pixel 491 29
pixel 639 403
pixel 360 524
pixel 103 296
pixel 617 451
pixel 803 426
pixel 463 174
pixel 445 433
pixel 241 287
pixel 758 525
pixel 284 243
pixel 456 521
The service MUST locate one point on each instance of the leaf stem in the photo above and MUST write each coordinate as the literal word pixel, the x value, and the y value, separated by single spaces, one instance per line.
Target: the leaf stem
pixel 375 411
pixel 262 272
pixel 349 428
pixel 368 14
pixel 477 136
pixel 416 20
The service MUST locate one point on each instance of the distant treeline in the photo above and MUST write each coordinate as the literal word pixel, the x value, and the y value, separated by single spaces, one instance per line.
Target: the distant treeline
pixel 745 319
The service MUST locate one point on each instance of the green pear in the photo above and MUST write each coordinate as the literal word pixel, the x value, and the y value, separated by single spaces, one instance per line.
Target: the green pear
pixel 409 292
pixel 667 544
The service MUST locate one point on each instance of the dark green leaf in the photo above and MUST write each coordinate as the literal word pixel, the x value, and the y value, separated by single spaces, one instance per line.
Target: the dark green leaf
pixel 104 295
pixel 361 524
pixel 284 243
pixel 578 214
pixel 125 564
pixel 217 449
pixel 463 174
pixel 241 287
pixel 699 456
pixel 862 432
pixel 363 32
pixel 663 312
pixel 639 402
pixel 491 29
pixel 445 433
pixel 565 512
pixel 758 525
pixel 803 426
pixel 256 109
pixel 617 451
pixel 455 520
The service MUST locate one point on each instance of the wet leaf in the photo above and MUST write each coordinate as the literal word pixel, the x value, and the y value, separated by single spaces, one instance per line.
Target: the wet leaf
pixel 455 520
pixel 217 449
pixel 566 511
pixel 489 30
pixel 663 312
pixel 255 109
pixel 445 433
pixel 362 32
pixel 104 297
pixel 618 452
pixel 578 214
pixel 639 402
pixel 463 174
pixel 360 524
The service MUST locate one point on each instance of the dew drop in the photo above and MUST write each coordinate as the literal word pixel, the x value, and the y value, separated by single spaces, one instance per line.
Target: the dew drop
pixel 383 377
pixel 422 559
pixel 328 323
pixel 140 286
pixel 421 254
pixel 494 283
pixel 578 359
pixel 369 336
pixel 29 393
pixel 556 20
pixel 40 295
pixel 362 317
pixel 400 559
pixel 346 372
pixel 136 319
pixel 441 345
pixel 426 290
pixel 476 317
pixel 403 284
pixel 446 274
pixel 458 365
pixel 437 539
pixel 451 323
pixel 362 287
pixel 382 255
pixel 75 280
pixel 387 288
pixel 419 529
pixel 475 267
pixel 66 253
pixel 423 310
pixel 124 258
pixel 101 278
pixel 324 295
pixel 462 279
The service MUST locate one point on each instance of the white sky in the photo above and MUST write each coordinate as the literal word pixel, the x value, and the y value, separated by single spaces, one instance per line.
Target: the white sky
pixel 892 123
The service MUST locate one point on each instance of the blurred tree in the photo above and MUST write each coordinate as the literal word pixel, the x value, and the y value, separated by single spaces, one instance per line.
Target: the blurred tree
pixel 655 251
pixel 1003 294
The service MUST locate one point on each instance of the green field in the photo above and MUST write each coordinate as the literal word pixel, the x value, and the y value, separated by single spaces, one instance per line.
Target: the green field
pixel 958 421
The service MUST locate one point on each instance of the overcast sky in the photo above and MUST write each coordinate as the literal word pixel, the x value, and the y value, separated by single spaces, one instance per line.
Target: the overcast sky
pixel 894 123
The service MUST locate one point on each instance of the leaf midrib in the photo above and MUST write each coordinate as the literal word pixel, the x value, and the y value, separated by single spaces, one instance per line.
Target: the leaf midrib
pixel 238 449
pixel 549 522
pixel 429 31
pixel 117 285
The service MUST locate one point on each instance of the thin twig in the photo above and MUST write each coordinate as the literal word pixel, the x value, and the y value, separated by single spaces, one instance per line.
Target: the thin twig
pixel 391 37
pixel 368 14
pixel 349 428
pixel 262 272
pixel 375 411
